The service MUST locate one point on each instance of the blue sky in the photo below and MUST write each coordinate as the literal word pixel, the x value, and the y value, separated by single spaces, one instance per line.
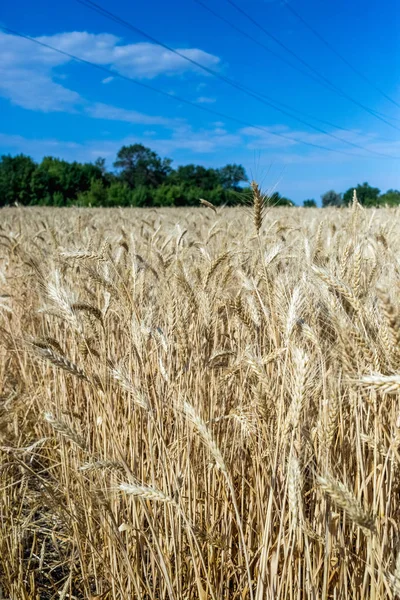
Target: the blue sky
pixel 50 105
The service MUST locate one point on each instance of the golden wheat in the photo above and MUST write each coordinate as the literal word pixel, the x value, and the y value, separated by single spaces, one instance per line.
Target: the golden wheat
pixel 192 411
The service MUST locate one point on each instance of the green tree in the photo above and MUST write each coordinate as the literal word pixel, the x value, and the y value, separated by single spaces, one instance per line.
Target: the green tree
pixel 231 175
pixel 15 179
pixel 170 195
pixel 309 204
pixel 195 176
pixel 277 200
pixel 97 195
pixel 221 196
pixel 67 180
pixel 119 194
pixel 366 195
pixel 331 198
pixel 142 195
pixel 57 199
pixel 140 166
pixel 100 163
pixel 390 198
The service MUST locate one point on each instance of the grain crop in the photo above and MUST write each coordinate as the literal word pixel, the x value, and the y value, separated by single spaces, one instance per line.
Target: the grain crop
pixel 200 403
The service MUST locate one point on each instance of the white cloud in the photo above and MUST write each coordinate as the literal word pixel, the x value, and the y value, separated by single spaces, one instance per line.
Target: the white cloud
pixel 184 138
pixel 107 80
pixel 25 76
pixel 142 59
pixel 114 113
pixel 205 100
pixel 19 52
pixel 267 138
pixel 203 141
pixel 36 91
pixel 27 70
pixel 37 147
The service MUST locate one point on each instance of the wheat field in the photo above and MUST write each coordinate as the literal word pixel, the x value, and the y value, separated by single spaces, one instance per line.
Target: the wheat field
pixel 200 404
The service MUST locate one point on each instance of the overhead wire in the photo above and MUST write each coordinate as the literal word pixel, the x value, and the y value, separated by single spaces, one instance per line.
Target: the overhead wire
pixel 180 99
pixel 245 89
pixel 258 42
pixel 331 47
pixel 306 64
pixel 279 57
pixel 282 59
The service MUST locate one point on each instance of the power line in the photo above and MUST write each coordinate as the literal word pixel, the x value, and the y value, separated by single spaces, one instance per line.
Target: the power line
pixel 279 57
pixel 303 62
pixel 317 78
pixel 256 41
pixel 250 92
pixel 176 98
pixel 343 58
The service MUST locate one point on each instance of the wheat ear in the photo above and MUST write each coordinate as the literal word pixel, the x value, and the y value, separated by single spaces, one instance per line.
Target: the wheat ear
pixel 208 440
pixel 345 500
pixel 258 206
pixel 208 204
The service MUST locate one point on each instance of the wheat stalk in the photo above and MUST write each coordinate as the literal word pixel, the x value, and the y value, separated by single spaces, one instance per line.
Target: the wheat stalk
pixel 345 500
pixel 385 384
pixel 145 492
pixel 64 430
pixel 60 361
pixel 208 204
pixel 258 206
pixel 282 328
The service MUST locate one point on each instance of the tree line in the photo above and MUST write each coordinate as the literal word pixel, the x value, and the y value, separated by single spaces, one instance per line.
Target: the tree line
pixel 366 195
pixel 142 178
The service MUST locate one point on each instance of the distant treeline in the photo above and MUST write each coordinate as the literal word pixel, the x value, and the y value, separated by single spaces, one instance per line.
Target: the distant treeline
pixel 142 178
pixel 366 195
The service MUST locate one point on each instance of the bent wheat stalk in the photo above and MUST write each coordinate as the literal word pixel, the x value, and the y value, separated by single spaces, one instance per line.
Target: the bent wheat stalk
pixel 205 434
